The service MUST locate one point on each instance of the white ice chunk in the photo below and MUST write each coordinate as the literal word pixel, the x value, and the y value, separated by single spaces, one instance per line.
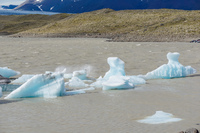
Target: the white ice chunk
pixel 0 92
pixel 22 79
pixel 76 83
pixel 159 117
pixel 171 70
pixel 81 74
pixel 68 75
pixel 116 67
pixel 7 73
pixel 41 85
pixel 118 82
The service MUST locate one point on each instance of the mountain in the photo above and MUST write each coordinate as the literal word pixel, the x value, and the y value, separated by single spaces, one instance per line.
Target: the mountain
pixel 9 7
pixel 79 6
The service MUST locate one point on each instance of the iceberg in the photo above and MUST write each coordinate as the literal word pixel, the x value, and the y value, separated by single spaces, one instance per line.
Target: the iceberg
pixel 42 85
pixel 159 117
pixel 115 78
pixel 7 73
pixel 118 82
pixel 116 67
pixel 171 70
pixel 22 79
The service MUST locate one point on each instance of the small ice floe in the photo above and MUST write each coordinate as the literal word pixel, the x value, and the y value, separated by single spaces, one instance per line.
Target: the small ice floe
pixel 118 82
pixel 98 83
pixel 76 83
pixel 159 117
pixel 81 74
pixel 24 78
pixel 115 78
pixel 171 70
pixel 7 73
pixel 75 92
pixel 42 85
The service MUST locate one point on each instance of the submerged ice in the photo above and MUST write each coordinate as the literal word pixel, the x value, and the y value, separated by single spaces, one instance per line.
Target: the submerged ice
pixel 7 72
pixel 159 117
pixel 171 70
pixel 41 85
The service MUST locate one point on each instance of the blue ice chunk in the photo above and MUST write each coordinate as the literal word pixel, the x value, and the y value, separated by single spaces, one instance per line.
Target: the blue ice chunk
pixel 116 67
pixel 171 70
pixel 7 72
pixel 42 85
pixel 159 117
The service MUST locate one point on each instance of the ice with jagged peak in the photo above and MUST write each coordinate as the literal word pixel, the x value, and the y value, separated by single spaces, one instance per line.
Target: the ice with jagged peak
pixel 171 70
pixel 42 85
pixel 7 72
pixel 116 67
pixel 115 78
pixel 118 82
pixel 159 117
pixel 76 83
pixel 22 79
pixel 0 92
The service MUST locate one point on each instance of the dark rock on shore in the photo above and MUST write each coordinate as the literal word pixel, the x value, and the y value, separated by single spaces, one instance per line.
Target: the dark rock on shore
pixel 195 41
pixel 190 130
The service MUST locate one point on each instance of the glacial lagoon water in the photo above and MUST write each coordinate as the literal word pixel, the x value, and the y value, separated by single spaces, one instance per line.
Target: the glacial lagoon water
pixel 97 110
pixel 18 12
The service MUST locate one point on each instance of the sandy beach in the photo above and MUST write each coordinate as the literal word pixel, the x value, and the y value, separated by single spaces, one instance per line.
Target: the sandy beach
pixel 100 111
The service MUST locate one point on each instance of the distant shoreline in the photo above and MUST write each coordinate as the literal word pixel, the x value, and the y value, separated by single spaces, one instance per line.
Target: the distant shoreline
pixel 112 37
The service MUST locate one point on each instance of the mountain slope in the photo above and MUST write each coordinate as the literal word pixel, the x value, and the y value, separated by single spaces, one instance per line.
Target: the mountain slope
pixel 126 25
pixel 79 6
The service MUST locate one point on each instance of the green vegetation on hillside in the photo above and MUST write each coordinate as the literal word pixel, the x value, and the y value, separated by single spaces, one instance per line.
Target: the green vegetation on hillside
pixel 17 23
pixel 126 24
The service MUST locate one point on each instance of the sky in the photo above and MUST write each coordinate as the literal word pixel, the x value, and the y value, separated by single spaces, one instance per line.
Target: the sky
pixel 8 2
